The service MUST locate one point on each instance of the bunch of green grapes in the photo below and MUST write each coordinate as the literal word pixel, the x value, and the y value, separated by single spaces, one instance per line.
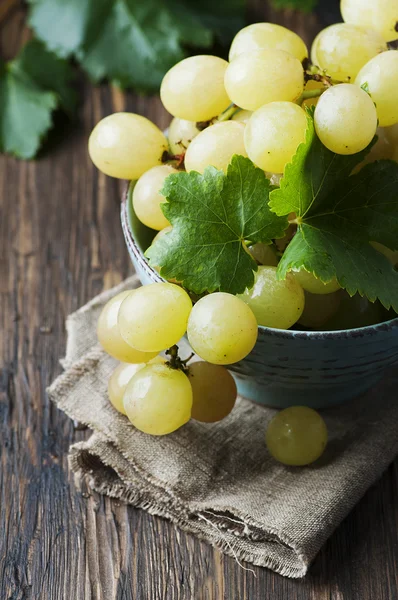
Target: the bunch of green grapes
pixel 157 394
pixel 160 395
pixel 252 105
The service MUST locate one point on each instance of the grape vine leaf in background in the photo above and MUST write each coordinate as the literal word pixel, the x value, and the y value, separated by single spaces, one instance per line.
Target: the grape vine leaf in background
pixel 32 86
pixel 338 215
pixel 212 214
pixel 132 42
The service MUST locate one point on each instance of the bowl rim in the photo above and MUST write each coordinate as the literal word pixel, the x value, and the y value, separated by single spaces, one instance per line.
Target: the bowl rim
pixel 280 333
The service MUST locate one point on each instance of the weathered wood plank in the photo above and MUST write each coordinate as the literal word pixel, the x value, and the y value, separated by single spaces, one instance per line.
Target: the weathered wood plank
pixel 60 244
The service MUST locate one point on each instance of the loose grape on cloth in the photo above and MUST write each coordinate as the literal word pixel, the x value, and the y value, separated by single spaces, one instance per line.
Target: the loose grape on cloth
pixel 218 480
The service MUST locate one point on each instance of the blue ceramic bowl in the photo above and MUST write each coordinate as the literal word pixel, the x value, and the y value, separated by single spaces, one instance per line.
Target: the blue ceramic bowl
pixel 317 369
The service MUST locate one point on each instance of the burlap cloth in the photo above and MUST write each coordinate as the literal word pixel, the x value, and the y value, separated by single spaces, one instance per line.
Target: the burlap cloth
pixel 218 481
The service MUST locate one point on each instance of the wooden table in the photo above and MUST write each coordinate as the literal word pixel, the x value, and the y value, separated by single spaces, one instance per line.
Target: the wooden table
pixel 60 244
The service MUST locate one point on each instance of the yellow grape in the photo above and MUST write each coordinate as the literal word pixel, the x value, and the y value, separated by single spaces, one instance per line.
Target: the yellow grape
pixel 296 436
pixel 261 76
pixel 380 150
pixel 268 36
pixel 119 379
pixel 342 50
pixel 392 255
pixel 194 88
pixel 391 134
pixel 381 77
pixel 264 254
pixel 276 303
pixel 109 335
pixel 125 145
pixel 312 284
pixel 181 133
pixel 354 312
pixel 154 317
pixel 215 146
pixel 345 119
pixel 147 199
pixel 222 329
pixel 381 15
pixel 158 399
pixel 242 116
pixel 214 391
pixel 283 242
pixel 273 134
pixel 319 308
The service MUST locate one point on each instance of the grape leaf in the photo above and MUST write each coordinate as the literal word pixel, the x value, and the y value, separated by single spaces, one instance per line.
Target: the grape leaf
pixel 212 214
pixel 133 43
pixel 338 215
pixel 32 86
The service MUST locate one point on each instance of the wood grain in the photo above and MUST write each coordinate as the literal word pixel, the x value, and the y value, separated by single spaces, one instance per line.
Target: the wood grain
pixel 60 244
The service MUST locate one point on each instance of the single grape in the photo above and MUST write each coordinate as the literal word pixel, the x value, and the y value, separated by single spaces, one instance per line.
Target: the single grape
pixel 392 255
pixel 158 399
pixel 382 149
pixel 381 78
pixel 161 233
pixel 312 284
pixel 222 329
pixel 109 335
pixel 154 317
pixel 318 309
pixel 181 133
pixel 242 116
pixel 261 76
pixel 194 88
pixel 283 242
pixel 267 36
pixel 125 145
pixel 215 146
pixel 119 379
pixel 264 254
pixel 273 134
pixel 342 50
pixel 345 119
pixel 381 15
pixel 353 312
pixel 275 303
pixel 147 199
pixel 214 391
pixel 296 436
pixel 391 134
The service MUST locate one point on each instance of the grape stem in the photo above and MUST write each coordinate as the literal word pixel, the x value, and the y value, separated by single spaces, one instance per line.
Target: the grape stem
pixel 176 159
pixel 228 113
pixel 310 94
pixel 175 361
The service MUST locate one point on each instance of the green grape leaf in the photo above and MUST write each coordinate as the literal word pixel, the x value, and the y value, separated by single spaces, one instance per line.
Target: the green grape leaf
pixel 212 215
pixel 130 42
pixel 32 86
pixel 338 214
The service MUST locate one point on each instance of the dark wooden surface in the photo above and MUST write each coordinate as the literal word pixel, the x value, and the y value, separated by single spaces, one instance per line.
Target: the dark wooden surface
pixel 60 244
